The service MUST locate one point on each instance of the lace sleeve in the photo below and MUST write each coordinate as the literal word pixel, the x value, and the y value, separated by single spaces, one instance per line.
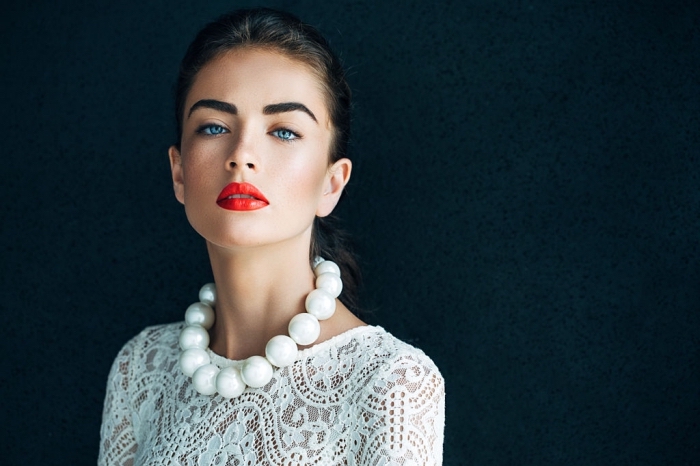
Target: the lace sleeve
pixel 405 414
pixel 117 440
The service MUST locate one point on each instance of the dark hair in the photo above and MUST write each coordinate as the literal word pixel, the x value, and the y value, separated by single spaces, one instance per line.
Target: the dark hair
pixel 263 28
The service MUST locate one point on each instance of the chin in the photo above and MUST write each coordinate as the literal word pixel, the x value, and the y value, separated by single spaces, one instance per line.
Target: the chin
pixel 251 232
pixel 234 239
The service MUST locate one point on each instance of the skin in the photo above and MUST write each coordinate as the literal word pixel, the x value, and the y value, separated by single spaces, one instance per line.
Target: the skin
pixel 259 258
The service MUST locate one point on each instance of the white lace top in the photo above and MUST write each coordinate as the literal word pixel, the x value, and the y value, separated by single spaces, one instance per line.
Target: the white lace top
pixel 360 398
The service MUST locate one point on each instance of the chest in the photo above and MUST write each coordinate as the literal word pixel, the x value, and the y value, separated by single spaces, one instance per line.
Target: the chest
pixel 305 415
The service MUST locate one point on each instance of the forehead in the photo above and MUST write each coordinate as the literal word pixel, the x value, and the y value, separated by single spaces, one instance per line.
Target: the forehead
pixel 251 78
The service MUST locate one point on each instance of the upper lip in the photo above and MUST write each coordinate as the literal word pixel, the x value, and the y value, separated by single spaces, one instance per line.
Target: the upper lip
pixel 241 188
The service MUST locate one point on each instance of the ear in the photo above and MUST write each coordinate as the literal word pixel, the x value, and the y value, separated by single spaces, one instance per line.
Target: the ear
pixel 176 171
pixel 337 177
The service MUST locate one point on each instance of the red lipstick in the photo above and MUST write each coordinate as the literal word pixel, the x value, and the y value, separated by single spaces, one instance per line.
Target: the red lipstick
pixel 241 196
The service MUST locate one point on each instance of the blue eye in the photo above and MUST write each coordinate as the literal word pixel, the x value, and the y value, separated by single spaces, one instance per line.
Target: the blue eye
pixel 285 134
pixel 212 130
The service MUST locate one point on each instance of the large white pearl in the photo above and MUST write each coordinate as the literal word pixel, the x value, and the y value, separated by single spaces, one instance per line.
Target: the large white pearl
pixel 207 294
pixel 320 304
pixel 204 379
pixel 194 336
pixel 281 351
pixel 304 329
pixel 317 260
pixel 331 283
pixel 256 371
pixel 327 267
pixel 192 359
pixel 229 382
pixel 200 314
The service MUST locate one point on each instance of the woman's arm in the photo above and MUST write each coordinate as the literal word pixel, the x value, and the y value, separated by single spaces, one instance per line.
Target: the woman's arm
pixel 404 413
pixel 117 440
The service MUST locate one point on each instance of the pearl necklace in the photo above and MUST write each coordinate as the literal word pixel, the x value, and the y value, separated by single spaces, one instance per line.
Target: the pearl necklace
pixel 280 351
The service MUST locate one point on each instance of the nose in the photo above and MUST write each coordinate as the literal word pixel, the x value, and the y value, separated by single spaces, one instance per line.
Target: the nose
pixel 243 154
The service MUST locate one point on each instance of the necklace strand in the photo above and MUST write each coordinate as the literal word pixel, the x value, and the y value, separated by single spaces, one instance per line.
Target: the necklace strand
pixel 280 351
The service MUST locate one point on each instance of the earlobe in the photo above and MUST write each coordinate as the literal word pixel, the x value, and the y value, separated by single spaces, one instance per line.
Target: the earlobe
pixel 336 179
pixel 176 171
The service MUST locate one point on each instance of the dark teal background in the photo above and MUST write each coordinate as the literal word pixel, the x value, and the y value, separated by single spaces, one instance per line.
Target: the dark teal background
pixel 526 204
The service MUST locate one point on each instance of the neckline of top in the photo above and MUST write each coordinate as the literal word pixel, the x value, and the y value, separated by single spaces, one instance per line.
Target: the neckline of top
pixel 337 340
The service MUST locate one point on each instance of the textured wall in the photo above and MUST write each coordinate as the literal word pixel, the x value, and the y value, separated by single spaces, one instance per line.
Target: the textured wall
pixel 526 203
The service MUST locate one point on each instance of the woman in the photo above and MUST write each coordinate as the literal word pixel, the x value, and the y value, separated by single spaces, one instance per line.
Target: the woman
pixel 270 367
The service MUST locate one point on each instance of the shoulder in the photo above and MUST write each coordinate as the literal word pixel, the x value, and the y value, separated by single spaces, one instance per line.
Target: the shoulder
pixel 391 355
pixel 157 341
pixel 391 366
pixel 372 360
pixel 153 350
pixel 156 336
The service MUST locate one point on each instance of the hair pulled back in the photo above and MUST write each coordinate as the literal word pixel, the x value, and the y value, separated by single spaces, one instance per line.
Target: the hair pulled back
pixel 263 28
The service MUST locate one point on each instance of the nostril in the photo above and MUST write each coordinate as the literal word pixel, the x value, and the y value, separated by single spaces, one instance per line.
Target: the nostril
pixel 250 165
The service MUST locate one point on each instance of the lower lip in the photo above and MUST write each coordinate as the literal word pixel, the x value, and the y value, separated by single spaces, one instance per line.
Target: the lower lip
pixel 239 203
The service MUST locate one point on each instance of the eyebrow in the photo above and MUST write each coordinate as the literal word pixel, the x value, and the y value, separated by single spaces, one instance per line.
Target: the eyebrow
pixel 267 110
pixel 288 107
pixel 215 104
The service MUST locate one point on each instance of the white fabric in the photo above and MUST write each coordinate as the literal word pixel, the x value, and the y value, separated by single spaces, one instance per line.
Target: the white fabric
pixel 361 398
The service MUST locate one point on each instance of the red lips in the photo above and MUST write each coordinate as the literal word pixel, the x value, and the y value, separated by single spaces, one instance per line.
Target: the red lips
pixel 241 196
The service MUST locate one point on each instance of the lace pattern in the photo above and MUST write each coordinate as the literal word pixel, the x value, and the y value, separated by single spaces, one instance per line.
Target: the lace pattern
pixel 361 398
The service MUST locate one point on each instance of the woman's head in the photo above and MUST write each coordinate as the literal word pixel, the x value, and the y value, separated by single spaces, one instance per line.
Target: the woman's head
pixel 281 34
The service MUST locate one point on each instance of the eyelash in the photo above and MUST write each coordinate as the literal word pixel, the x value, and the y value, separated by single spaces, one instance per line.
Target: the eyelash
pixel 294 137
pixel 204 128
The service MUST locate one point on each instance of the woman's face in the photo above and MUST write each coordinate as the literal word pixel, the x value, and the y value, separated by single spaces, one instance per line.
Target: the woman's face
pixel 256 117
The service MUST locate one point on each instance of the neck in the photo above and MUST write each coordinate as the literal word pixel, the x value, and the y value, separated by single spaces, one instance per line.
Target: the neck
pixel 259 290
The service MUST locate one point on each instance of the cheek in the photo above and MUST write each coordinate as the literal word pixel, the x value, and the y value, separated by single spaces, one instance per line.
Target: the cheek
pixel 304 177
pixel 200 168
